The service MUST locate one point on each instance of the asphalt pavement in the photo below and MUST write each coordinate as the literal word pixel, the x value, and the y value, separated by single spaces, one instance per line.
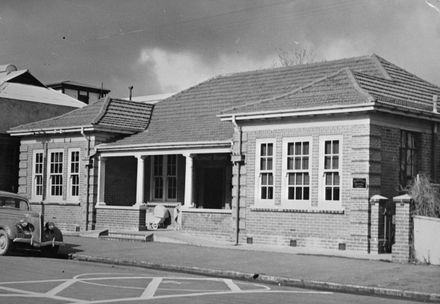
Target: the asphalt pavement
pixel 277 266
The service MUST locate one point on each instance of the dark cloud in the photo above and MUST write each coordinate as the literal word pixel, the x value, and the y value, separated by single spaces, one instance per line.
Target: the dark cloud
pixel 98 41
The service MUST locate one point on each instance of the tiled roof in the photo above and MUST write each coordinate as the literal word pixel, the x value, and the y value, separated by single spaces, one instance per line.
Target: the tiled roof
pixel 398 88
pixel 190 116
pixel 114 114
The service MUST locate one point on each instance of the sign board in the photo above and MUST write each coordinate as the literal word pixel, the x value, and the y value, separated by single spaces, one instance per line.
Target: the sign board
pixel 359 183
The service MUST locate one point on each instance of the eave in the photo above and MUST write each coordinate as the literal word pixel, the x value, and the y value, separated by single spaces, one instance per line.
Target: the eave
pixel 165 146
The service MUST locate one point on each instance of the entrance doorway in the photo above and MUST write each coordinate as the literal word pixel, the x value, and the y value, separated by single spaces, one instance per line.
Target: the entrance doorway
pixel 213 175
pixel 387 226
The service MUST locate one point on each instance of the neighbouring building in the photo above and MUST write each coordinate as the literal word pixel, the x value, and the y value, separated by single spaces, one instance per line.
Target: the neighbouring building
pixel 286 156
pixel 83 92
pixel 23 99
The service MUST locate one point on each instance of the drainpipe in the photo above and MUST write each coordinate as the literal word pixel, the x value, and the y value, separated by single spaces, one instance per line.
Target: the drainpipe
pixel 434 138
pixel 89 158
pixel 237 161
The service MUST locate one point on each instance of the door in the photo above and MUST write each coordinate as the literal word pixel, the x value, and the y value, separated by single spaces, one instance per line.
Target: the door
pixel 214 181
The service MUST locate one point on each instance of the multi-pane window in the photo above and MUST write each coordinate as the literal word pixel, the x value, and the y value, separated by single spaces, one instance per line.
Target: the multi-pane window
pixel 331 173
pixel 56 173
pixel 172 176
pixel 266 171
pixel 74 173
pixel 164 177
pixel 38 174
pixel 298 170
pixel 408 155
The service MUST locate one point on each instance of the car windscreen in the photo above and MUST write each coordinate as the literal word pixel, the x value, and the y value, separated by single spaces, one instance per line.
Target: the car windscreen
pixel 9 202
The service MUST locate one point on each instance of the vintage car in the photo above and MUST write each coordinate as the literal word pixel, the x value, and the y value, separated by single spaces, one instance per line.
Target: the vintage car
pixel 20 227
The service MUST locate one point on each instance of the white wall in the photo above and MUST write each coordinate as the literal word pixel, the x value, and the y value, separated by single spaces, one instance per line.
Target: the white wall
pixel 426 239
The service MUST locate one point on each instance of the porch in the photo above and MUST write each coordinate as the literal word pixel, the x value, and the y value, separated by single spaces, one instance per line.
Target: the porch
pixel 196 188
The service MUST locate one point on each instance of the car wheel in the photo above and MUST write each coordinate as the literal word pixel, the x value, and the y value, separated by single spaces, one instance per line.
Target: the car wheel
pixel 5 243
pixel 50 252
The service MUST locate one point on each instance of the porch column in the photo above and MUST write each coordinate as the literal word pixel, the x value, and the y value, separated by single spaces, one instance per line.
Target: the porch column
pixel 140 180
pixel 188 180
pixel 100 201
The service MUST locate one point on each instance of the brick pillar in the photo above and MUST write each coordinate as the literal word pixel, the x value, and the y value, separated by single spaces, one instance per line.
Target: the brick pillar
pixel 401 250
pixel 374 223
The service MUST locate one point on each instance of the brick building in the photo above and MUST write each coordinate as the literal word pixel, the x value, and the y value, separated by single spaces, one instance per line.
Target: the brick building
pixel 57 157
pixel 286 156
pixel 23 99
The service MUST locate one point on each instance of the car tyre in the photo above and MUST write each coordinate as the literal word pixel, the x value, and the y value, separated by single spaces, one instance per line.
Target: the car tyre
pixel 5 243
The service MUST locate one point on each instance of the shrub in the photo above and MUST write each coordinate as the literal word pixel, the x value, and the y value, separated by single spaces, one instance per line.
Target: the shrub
pixel 426 196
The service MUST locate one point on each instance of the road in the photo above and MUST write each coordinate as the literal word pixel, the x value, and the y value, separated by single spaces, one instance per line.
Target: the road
pixel 33 279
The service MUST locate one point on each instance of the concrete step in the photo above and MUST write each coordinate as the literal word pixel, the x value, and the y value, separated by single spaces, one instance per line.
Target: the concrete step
pixel 129 236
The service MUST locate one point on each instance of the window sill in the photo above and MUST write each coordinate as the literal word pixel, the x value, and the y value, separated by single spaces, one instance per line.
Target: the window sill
pixel 49 203
pixel 134 207
pixel 298 210
pixel 201 210
pixel 165 204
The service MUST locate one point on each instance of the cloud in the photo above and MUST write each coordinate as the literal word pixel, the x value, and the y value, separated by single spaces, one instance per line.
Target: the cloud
pixel 177 70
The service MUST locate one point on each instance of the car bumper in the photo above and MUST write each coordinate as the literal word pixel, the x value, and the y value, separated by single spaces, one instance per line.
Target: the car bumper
pixel 36 243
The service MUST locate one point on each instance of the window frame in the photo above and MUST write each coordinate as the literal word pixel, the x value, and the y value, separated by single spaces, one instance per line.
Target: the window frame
pixel 322 202
pixel 34 194
pixel 258 200
pixel 70 174
pixel 165 179
pixel 285 201
pixel 404 160
pixel 49 195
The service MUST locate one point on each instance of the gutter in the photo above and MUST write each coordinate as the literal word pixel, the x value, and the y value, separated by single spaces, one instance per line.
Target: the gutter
pixel 169 145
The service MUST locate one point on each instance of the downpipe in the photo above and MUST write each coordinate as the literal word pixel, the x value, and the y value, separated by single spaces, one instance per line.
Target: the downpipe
pixel 237 191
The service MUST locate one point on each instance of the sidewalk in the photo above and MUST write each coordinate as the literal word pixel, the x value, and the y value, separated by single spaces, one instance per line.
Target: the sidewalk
pixel 286 266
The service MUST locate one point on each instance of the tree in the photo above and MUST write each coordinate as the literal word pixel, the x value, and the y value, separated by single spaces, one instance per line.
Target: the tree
pixel 295 55
pixel 426 197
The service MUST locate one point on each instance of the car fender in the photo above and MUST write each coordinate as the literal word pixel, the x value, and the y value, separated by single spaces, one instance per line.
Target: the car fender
pixel 10 232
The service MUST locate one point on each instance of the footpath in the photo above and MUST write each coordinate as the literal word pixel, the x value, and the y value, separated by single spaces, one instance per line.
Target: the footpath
pixel 264 264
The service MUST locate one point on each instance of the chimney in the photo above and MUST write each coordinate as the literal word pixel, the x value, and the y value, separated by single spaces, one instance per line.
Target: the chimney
pixel 434 103
pixel 130 89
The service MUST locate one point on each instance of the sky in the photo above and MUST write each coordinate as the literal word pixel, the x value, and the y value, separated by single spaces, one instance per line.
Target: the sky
pixel 164 46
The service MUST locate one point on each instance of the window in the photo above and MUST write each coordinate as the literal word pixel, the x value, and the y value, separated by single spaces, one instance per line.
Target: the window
pixel 37 187
pixel 83 96
pixel 331 173
pixel 296 170
pixel 56 173
pixel 408 156
pixel 164 180
pixel 74 173
pixel 265 171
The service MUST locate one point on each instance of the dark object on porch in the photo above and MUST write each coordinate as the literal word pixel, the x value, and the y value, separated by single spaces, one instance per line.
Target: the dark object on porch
pixel 293 243
pixel 157 218
pixel 249 240
pixel 341 246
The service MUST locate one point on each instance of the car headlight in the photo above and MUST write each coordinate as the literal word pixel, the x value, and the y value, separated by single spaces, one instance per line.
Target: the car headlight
pixel 25 226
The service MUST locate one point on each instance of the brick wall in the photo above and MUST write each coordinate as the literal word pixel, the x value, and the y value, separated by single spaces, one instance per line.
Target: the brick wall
pixel 371 150
pixel 116 219
pixel 67 213
pixel 214 224
pixel 315 227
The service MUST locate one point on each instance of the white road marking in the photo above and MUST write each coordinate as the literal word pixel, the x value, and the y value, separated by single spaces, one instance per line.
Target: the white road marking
pixel 61 287
pixel 151 288
pixel 232 286
pixel 148 293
